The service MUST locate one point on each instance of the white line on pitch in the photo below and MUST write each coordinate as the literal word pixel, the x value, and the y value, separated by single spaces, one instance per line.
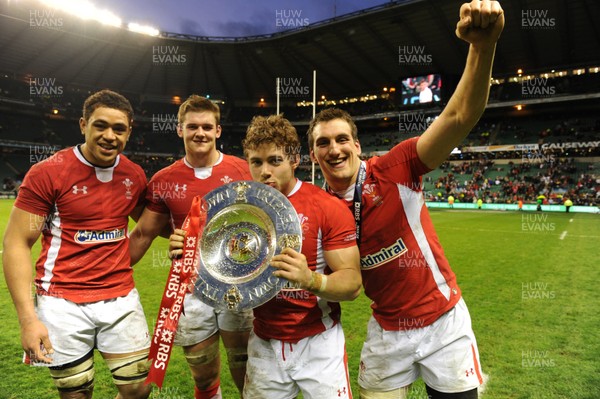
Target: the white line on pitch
pixel 563 235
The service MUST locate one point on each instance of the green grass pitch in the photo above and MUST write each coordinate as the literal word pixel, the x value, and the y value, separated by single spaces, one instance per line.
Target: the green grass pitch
pixel 527 278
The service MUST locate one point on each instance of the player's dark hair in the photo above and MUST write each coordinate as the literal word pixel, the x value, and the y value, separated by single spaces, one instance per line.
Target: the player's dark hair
pixel 108 99
pixel 329 114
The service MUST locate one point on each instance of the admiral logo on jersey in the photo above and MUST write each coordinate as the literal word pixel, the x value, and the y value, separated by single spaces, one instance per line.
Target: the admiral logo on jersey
pixel 384 255
pixel 96 236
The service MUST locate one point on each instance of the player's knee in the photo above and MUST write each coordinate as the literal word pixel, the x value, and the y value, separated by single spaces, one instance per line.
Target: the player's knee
pixel 400 393
pixel 433 394
pixel 237 357
pixel 204 356
pixel 130 369
pixel 77 376
pixel 203 365
pixel 134 391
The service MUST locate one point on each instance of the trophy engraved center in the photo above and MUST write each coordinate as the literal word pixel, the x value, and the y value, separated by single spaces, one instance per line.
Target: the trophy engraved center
pixel 243 246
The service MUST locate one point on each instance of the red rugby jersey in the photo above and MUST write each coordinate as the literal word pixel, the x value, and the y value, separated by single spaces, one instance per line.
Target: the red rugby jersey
pixel 172 189
pixel 326 225
pixel 85 244
pixel 405 272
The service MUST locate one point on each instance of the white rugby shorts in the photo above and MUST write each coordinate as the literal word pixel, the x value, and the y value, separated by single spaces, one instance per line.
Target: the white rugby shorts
pixel 198 321
pixel 112 326
pixel 316 365
pixel 444 354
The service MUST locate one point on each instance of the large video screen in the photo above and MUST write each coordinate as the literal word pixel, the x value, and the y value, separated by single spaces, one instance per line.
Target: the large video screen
pixel 422 90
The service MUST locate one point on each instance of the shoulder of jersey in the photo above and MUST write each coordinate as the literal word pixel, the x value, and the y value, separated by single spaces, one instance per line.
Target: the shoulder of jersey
pixel 57 161
pixel 315 191
pixel 174 167
pixel 235 160
pixel 129 163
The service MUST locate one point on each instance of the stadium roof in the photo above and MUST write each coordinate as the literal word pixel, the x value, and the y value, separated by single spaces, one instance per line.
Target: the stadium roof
pixel 353 55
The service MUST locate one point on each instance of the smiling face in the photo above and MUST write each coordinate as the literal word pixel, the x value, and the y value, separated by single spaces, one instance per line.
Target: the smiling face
pixel 106 132
pixel 269 164
pixel 200 132
pixel 336 152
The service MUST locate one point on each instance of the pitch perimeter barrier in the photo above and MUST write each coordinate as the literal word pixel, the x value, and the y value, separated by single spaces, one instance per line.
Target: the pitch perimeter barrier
pixel 513 207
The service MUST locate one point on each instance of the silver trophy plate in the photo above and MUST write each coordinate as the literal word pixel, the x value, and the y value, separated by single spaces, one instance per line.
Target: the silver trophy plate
pixel 247 223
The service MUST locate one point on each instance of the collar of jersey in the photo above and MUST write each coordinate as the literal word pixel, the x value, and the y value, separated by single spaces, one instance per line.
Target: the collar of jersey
pixel 79 155
pixel 348 194
pixel 189 165
pixel 296 187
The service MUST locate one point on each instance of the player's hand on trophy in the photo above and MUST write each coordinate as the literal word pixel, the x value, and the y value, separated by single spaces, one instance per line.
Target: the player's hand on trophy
pixel 292 266
pixel 481 22
pixel 176 243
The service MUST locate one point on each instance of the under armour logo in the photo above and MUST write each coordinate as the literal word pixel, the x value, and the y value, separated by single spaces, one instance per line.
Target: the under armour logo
pixel 183 187
pixel 77 190
pixel 341 391
pixel 470 372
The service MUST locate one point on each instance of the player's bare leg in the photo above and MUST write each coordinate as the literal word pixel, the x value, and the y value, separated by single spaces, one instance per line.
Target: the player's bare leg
pixel 236 343
pixel 126 367
pixel 77 395
pixel 205 365
pixel 75 380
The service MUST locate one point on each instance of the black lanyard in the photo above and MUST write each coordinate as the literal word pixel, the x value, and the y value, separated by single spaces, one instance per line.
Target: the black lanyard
pixel 357 200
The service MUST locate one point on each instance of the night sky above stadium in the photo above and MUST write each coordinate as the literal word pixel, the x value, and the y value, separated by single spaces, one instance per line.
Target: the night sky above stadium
pixel 231 17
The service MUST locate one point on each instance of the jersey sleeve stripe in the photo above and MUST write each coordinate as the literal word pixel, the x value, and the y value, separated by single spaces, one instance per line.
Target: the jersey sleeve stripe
pixel 412 209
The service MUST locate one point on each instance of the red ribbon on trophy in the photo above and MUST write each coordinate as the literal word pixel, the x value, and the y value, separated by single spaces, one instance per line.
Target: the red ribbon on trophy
pixel 181 281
